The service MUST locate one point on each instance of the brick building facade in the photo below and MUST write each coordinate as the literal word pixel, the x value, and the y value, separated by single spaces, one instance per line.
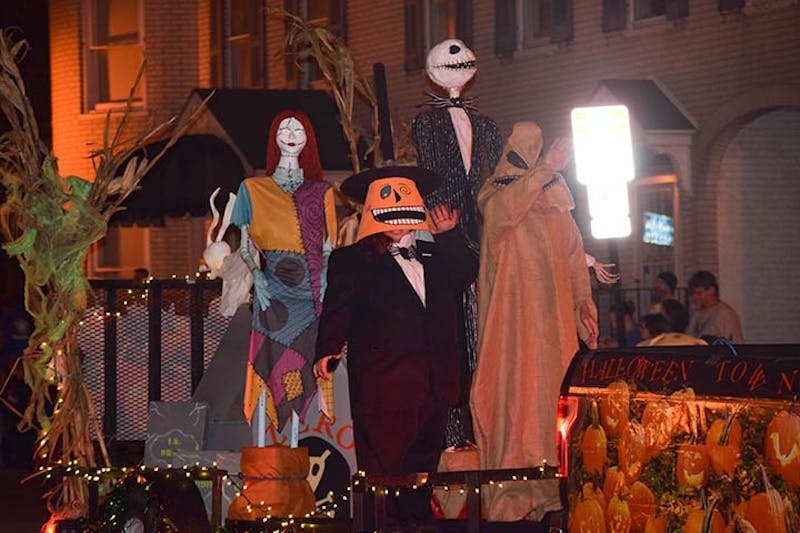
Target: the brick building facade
pixel 730 67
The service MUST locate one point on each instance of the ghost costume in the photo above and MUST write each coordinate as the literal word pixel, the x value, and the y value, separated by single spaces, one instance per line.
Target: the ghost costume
pixel 533 280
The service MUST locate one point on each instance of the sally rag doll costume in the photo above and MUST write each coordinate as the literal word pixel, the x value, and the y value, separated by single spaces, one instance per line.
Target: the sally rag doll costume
pixel 290 217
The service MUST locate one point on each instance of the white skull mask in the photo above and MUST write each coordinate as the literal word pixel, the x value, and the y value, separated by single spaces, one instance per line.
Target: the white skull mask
pixel 451 65
pixel 291 137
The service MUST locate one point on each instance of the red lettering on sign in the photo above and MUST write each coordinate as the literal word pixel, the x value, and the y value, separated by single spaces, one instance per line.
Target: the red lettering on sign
pixel 738 371
pixel 787 381
pixel 658 368
pixel 325 424
pixel 344 437
pixel 721 366
pixel 757 379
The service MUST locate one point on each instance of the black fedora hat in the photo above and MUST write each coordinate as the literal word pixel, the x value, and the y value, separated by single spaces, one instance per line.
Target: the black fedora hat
pixel 356 186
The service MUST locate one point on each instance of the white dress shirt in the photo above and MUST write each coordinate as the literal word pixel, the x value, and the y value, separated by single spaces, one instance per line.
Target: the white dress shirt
pixel 412 268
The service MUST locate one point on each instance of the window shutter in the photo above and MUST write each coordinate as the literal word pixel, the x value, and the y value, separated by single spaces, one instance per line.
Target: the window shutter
pixel 505 28
pixel 414 37
pixel 561 30
pixel 676 9
pixel 464 21
pixel 338 20
pixel 730 5
pixel 614 15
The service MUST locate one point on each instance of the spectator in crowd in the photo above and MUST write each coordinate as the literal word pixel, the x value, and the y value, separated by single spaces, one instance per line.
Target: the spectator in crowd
pixel 677 315
pixel 711 317
pixel 663 289
pixel 652 325
pixel 632 334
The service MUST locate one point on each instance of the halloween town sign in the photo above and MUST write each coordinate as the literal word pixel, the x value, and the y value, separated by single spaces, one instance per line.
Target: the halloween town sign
pixel 735 375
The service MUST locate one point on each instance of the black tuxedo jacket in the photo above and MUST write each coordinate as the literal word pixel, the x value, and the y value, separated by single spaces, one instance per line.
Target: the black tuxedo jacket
pixel 437 146
pixel 401 354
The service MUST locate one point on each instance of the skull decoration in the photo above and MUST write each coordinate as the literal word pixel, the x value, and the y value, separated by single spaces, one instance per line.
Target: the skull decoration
pixel 451 65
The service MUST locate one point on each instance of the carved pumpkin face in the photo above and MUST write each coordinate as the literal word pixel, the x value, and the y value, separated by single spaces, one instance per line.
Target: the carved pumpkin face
pixel 692 465
pixel 614 408
pixel 782 446
pixel 451 65
pixel 587 517
pixel 393 204
pixel 642 504
pixel 594 445
pixel 618 516
pixel 658 424
pixel 632 451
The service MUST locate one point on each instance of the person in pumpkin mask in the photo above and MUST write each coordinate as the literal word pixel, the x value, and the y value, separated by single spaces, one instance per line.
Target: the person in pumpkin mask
pixel 534 279
pixel 394 301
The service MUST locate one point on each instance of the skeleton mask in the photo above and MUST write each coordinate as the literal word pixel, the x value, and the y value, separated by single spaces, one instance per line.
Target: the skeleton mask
pixel 291 137
pixel 451 65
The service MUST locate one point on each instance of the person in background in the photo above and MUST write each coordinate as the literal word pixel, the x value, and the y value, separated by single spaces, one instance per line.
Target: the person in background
pixel 663 289
pixel 711 317
pixel 652 325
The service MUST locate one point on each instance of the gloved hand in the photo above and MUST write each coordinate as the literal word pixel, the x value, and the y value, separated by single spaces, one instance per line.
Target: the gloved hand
pixel 262 294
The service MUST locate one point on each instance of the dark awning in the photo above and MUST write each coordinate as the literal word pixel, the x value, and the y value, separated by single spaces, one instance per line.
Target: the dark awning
pixel 245 116
pixel 181 182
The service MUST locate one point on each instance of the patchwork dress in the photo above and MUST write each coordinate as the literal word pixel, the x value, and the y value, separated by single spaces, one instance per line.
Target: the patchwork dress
pixel 293 233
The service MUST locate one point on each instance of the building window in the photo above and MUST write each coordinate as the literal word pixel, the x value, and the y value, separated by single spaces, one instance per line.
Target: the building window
pixel 329 14
pixel 646 9
pixel 620 14
pixel 112 53
pixel 428 22
pixel 119 253
pixel 528 23
pixel 237 44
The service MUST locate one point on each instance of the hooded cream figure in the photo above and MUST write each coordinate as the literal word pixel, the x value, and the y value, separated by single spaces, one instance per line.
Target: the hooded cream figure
pixel 534 291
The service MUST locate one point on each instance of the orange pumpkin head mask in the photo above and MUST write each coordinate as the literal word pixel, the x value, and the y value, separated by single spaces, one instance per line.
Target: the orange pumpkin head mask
pixel 392 198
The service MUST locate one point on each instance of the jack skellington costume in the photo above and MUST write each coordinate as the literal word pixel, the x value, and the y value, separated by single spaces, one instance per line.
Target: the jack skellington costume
pixel 462 147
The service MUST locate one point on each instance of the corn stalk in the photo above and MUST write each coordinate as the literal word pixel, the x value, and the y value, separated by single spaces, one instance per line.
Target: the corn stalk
pixel 306 42
pixel 48 222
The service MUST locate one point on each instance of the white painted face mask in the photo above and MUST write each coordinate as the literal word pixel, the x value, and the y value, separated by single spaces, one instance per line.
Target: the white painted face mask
pixel 291 137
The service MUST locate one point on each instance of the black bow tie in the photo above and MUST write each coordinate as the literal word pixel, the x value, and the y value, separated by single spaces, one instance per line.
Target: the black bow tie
pixel 406 253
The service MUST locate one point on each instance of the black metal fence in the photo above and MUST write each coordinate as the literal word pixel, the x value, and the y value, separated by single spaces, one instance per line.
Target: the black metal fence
pixel 152 341
pixel 144 342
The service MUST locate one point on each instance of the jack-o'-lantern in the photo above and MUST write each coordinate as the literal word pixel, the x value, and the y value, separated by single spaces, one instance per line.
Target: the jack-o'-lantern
pixel 656 524
pixel 723 442
pixel 631 451
pixel 692 468
pixel 593 445
pixel 642 504
pixel 392 198
pixel 587 517
pixel 614 408
pixel 704 521
pixel 766 510
pixel 782 447
pixel 588 490
pixel 613 483
pixel 658 425
pixel 618 516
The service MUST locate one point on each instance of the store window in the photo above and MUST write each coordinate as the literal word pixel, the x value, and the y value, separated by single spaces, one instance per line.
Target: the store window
pixel 237 52
pixel 112 52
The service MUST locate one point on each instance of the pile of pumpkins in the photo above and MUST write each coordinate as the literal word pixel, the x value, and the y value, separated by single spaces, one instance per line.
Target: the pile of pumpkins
pixel 622 503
